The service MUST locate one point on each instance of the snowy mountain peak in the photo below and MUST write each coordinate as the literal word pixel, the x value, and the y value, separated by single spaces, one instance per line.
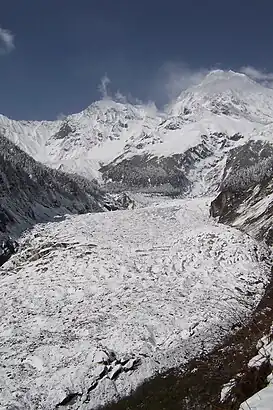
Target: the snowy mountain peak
pixel 116 131
pixel 228 93
pixel 117 108
pixel 218 81
pixel 221 75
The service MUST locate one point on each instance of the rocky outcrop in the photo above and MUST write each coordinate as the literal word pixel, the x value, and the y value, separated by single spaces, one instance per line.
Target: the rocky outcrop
pixel 246 192
pixel 119 201
pixel 169 175
pixel 222 204
pixel 108 367
pixel 8 248
pixel 64 131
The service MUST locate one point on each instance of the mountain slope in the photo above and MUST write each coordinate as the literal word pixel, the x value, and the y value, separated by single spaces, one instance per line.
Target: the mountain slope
pixel 245 200
pixel 30 136
pixel 32 192
pixel 79 142
pixel 110 137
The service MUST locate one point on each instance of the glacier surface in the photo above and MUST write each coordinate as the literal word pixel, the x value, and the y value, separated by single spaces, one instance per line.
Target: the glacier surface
pixel 95 304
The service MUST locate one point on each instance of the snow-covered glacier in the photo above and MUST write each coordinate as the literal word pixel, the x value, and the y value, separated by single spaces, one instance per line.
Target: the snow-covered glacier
pixel 95 304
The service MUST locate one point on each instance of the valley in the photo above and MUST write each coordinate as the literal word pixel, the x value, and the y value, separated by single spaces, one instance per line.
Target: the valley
pixel 145 243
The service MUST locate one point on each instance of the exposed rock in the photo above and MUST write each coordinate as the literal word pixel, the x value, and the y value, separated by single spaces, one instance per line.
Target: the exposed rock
pixel 8 248
pixel 115 371
pixel 236 137
pixel 246 192
pixel 69 400
pixel 222 204
pixel 64 131
pixel 131 364
pixel 32 192
pixel 118 201
pixel 102 371
pixel 101 357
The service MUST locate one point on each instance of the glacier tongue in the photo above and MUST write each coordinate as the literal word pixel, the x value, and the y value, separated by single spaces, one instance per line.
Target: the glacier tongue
pixel 95 304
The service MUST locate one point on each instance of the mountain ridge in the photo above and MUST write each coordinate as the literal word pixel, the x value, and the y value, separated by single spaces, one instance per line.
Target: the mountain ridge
pixel 32 193
pixel 226 102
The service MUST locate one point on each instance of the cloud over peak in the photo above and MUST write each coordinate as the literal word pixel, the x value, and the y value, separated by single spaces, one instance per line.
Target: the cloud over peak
pixel 103 87
pixel 6 41
pixel 260 76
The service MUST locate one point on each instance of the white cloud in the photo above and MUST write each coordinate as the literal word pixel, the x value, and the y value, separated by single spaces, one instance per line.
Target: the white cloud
pixel 129 98
pixel 260 76
pixel 107 93
pixel 61 116
pixel 6 41
pixel 103 87
pixel 173 78
pixel 120 97
pixel 180 77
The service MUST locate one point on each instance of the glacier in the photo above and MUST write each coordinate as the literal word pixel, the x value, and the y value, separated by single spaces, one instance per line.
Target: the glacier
pixel 148 288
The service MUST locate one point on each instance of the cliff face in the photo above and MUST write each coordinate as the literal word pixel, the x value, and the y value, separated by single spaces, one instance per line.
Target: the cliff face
pixel 245 200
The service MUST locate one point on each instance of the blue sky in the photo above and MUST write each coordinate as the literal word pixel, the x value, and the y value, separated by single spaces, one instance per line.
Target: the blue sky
pixel 53 53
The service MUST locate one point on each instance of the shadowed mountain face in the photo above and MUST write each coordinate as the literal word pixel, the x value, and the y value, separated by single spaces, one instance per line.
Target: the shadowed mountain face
pixel 32 192
pixel 246 192
pixel 174 174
